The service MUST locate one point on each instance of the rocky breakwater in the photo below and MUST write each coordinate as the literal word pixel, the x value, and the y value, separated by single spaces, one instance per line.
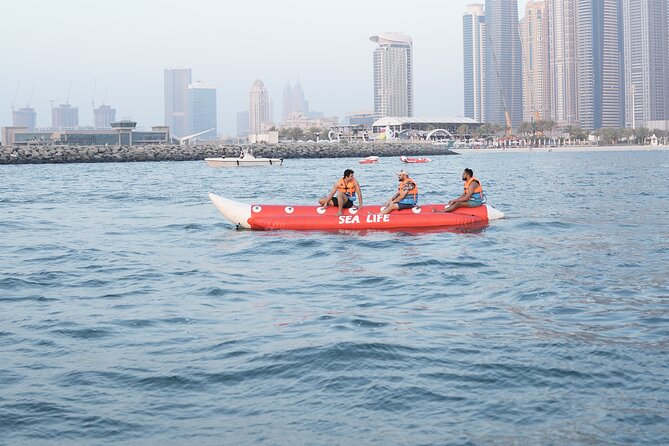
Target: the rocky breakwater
pixel 106 154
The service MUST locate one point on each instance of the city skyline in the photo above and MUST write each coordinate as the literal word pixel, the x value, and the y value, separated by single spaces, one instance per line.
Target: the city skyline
pixel 334 68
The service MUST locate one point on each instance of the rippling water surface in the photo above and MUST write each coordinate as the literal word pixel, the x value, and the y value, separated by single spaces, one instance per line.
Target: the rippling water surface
pixel 133 313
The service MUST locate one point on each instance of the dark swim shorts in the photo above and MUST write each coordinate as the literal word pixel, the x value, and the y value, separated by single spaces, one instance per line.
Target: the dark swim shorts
pixel 348 204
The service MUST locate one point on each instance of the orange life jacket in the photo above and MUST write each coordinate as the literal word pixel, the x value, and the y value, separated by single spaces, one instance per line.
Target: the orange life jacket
pixel 478 192
pixel 347 188
pixel 412 196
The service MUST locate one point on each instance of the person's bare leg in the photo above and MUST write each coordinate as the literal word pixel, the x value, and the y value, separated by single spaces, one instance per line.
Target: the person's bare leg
pixel 388 209
pixel 454 206
pixel 322 202
pixel 341 201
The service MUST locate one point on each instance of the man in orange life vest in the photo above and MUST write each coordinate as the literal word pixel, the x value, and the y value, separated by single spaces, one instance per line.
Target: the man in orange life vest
pixel 344 193
pixel 471 197
pixel 406 196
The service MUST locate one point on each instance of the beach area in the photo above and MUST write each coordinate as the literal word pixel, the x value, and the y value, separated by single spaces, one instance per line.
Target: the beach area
pixel 564 149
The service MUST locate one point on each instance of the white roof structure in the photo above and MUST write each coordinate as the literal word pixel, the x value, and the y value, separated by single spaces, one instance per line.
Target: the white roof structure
pixel 405 120
pixel 391 38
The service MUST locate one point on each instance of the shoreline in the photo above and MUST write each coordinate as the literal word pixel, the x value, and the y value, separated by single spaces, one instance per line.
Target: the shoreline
pixel 563 149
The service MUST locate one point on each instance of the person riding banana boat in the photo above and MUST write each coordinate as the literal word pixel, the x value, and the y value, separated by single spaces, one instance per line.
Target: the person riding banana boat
pixel 472 196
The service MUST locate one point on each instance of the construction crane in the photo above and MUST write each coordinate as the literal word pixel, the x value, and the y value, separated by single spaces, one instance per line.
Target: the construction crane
pixel 93 96
pixel 30 99
pixel 69 89
pixel 507 116
pixel 11 105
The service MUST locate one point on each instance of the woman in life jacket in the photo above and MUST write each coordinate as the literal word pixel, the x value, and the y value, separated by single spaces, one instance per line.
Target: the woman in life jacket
pixel 344 194
pixel 406 195
pixel 472 195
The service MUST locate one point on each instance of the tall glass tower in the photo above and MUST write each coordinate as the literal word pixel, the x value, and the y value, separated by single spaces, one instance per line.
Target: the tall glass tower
pixel 473 33
pixel 598 60
pixel 562 47
pixel 260 114
pixel 536 68
pixel 393 75
pixel 177 100
pixel 503 60
pixel 202 110
pixel 646 61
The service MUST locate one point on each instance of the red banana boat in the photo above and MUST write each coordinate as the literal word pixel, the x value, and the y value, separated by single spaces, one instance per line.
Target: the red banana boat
pixel 414 160
pixel 369 160
pixel 272 216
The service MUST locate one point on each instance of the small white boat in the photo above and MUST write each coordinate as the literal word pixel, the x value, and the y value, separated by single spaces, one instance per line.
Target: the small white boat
pixel 245 159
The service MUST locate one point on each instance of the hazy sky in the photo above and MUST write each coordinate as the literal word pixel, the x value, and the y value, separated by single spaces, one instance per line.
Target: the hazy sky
pixel 123 46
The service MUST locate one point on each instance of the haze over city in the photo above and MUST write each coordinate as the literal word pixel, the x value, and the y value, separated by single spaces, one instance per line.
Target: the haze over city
pixel 116 53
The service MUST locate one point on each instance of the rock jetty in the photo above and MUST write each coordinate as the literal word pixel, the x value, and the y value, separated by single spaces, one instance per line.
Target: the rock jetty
pixel 119 154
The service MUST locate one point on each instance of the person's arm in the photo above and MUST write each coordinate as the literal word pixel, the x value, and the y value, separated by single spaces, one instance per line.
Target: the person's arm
pixel 468 193
pixel 358 191
pixel 457 199
pixel 391 200
pixel 399 196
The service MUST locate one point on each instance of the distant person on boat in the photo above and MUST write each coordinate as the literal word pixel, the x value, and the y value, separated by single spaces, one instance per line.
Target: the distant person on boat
pixel 406 196
pixel 470 198
pixel 344 193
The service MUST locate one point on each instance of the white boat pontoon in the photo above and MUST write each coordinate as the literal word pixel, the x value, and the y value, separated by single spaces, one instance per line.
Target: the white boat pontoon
pixel 245 159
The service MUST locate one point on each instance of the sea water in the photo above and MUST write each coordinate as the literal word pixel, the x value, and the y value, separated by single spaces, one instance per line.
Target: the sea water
pixel 132 312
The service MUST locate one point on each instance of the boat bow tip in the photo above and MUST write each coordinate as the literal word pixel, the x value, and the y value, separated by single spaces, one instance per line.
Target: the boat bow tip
pixel 494 214
pixel 238 213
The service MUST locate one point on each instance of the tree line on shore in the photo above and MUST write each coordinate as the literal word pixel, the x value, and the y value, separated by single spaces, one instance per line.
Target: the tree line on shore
pixel 531 131
pixel 298 134
pixel 547 129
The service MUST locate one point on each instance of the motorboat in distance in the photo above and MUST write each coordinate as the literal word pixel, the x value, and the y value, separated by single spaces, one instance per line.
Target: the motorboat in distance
pixel 414 160
pixel 245 159
pixel 369 160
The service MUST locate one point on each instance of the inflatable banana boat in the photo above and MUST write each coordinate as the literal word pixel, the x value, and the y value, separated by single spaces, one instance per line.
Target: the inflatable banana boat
pixel 272 216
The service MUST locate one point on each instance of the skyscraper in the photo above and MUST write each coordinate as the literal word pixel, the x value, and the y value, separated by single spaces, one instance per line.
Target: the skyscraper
pixel 536 68
pixel 104 115
pixel 598 82
pixel 562 48
pixel 287 105
pixel 293 101
pixel 65 117
pixel 259 108
pixel 393 75
pixel 646 61
pixel 24 117
pixel 202 110
pixel 177 100
pixel 503 80
pixel 242 124
pixel 473 30
pixel 299 103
